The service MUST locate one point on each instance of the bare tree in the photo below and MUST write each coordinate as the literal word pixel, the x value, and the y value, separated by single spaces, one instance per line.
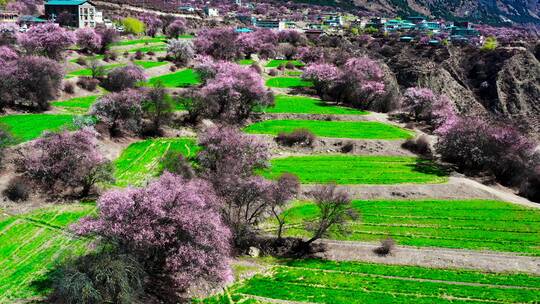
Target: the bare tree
pixel 334 211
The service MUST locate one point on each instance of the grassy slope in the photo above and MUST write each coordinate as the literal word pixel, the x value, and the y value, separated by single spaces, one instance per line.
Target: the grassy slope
pixel 139 41
pixel 26 127
pixel 141 160
pixel 149 64
pixel 338 129
pixel 468 224
pixel 348 169
pixel 308 105
pixel 319 281
pixel 246 61
pixel 30 244
pixel 182 78
pixel 287 82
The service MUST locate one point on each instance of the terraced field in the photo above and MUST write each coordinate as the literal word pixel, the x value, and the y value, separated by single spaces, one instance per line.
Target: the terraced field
pixel 159 39
pixel 142 160
pixel 287 82
pixel 142 63
pixel 25 127
pixel 308 105
pixel 318 281
pixel 32 244
pixel 468 224
pixel 77 105
pixel 337 129
pixel 246 62
pixel 349 169
pixel 274 63
pixel 179 79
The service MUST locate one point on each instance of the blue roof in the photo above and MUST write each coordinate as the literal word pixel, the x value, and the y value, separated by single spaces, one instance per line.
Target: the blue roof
pixel 65 2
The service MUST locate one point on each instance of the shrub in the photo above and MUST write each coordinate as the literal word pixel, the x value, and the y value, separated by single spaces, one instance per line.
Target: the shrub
pixel 173 226
pixel 530 187
pixel 419 145
pixel 290 66
pixel 138 55
pixel 101 277
pixel 325 77
pixel 424 105
pixel 108 36
pixel 17 190
pixel 347 147
pixel 69 87
pixel 152 24
pixel 88 83
pixel 386 247
pixel 273 72
pixel 255 67
pixel 300 137
pixel 122 78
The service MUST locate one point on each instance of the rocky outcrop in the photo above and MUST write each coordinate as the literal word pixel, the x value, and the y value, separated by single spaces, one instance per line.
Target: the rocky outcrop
pixel 504 83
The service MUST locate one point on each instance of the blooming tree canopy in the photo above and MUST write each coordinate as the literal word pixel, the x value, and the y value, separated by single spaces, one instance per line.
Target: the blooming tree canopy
pixel 173 225
pixel 48 39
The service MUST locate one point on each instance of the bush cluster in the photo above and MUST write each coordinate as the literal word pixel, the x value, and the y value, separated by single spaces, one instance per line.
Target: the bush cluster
pixel 298 137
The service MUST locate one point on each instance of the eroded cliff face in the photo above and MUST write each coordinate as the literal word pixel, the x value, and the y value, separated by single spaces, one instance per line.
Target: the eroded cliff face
pixel 504 83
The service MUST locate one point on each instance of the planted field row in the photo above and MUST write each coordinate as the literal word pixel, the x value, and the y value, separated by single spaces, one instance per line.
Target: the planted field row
pixel 31 244
pixel 347 169
pixel 468 224
pixel 142 160
pixel 143 64
pixel 336 129
pixel 77 105
pixel 354 282
pixel 287 82
pixel 308 105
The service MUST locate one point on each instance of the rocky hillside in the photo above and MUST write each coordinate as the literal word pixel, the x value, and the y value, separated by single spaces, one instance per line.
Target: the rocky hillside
pixel 504 83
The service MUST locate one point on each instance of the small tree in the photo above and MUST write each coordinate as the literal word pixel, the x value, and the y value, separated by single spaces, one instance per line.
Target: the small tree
pixel 176 28
pixel 181 51
pixel 133 25
pixel 97 69
pixel 220 43
pixel 88 40
pixel 490 44
pixel 122 78
pixel 48 39
pixel 172 226
pixel 62 160
pixel 287 186
pixel 120 111
pixel 108 36
pixel 152 24
pixel 427 106
pixel 157 106
pixel 335 211
pixel 362 82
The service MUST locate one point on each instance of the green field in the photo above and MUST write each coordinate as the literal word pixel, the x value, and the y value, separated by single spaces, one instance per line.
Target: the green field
pixel 274 63
pixel 337 129
pixel 317 281
pixel 352 169
pixel 31 244
pixel 308 105
pixel 76 105
pixel 88 71
pixel 467 224
pixel 287 82
pixel 149 64
pixel 26 127
pixel 141 161
pixel 182 78
pixel 246 61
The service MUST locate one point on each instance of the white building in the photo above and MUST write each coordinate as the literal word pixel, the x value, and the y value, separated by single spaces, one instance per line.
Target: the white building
pixel 74 13
pixel 211 11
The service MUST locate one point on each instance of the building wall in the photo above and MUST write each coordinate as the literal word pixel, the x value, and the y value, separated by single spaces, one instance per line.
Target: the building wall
pixel 87 15
pixel 55 10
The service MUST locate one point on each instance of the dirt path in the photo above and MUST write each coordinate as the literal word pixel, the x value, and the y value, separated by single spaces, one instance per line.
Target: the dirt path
pixel 455 188
pixel 432 257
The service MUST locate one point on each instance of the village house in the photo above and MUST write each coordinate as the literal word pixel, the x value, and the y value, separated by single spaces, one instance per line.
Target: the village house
pixel 73 13
pixel 8 16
